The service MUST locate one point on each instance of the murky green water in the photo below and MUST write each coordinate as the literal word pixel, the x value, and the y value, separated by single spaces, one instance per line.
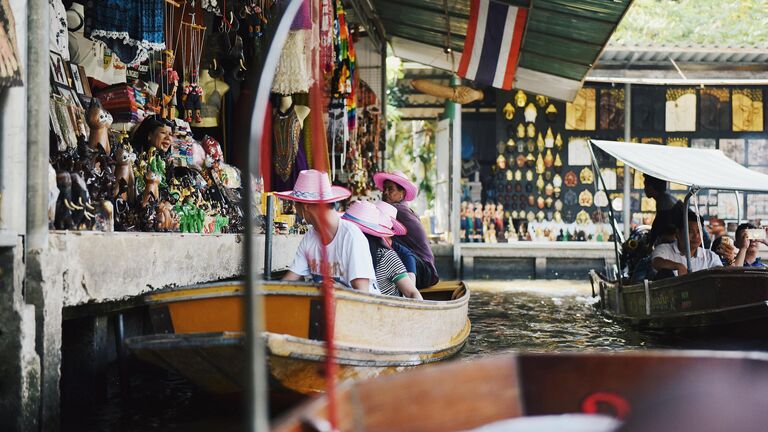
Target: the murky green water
pixel 506 316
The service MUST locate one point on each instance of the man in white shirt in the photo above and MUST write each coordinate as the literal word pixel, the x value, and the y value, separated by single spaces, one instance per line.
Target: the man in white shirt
pixel 671 256
pixel 348 255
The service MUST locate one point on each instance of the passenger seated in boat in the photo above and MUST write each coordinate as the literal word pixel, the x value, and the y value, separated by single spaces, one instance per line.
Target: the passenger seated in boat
pixel 347 248
pixel 671 256
pixel 406 255
pixel 748 248
pixel 391 276
pixel 397 190
pixel 724 248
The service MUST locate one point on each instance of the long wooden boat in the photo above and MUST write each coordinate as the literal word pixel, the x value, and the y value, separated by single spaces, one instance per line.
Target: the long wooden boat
pixel 648 386
pixel 199 333
pixel 721 300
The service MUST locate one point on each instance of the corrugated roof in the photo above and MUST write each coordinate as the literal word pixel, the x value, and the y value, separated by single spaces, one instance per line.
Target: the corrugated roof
pixel 625 54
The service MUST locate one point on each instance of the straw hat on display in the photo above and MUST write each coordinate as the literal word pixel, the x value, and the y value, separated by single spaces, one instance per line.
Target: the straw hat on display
pixel 399 178
pixel 368 218
pixel 390 214
pixel 314 187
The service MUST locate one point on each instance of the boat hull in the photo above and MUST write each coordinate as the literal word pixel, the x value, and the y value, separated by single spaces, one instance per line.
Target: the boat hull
pixel 374 335
pixel 718 301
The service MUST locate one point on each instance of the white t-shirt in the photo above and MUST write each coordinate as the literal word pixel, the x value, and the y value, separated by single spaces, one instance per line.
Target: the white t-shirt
pixel 703 260
pixel 348 255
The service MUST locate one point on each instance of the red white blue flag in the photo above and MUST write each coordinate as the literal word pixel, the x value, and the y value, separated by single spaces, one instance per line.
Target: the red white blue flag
pixel 492 46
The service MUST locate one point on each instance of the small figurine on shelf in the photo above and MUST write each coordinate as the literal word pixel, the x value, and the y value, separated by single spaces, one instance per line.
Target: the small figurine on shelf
pixel 478 223
pixel 169 83
pixel 499 218
pixel 463 221
pixel 99 120
pixel 469 215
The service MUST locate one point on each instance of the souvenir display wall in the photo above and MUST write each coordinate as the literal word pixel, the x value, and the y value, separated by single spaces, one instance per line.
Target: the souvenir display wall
pixel 542 175
pixel 142 110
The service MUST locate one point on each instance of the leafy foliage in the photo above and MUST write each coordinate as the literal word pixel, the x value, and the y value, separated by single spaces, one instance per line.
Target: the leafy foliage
pixel 729 23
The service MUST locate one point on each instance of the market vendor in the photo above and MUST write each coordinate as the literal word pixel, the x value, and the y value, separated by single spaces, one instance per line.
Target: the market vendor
pixel 152 132
pixel 347 248
pixel 397 190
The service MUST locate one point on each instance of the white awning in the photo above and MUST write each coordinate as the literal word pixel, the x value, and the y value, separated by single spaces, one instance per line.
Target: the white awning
pixel 707 169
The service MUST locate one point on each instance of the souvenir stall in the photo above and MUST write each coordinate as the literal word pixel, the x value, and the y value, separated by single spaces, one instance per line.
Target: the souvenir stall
pixel 538 182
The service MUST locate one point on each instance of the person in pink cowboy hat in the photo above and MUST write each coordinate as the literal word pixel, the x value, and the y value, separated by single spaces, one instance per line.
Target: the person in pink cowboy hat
pixel 397 190
pixel 406 255
pixel 350 261
pixel 391 276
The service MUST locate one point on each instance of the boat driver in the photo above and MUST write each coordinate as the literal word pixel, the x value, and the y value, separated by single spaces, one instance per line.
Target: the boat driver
pixel 670 257
pixel 347 248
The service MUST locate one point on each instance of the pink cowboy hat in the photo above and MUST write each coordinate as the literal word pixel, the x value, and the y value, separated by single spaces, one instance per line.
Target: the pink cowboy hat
pixel 399 178
pixel 366 216
pixel 313 187
pixel 390 214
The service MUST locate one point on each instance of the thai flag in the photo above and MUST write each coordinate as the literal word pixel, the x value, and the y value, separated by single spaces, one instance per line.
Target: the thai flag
pixel 492 47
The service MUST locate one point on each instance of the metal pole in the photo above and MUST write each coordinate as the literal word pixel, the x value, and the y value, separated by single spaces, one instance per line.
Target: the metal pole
pixel 627 201
pixel 455 181
pixel 691 191
pixel 268 237
pixel 258 410
pixel 616 239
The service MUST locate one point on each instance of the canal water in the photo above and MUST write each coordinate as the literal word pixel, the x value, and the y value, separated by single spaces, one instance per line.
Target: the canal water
pixel 506 316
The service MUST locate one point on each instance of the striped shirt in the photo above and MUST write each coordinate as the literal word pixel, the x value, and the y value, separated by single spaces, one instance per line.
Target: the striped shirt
pixel 389 270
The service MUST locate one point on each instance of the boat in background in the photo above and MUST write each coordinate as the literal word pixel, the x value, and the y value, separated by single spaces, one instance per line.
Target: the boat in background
pixel 639 387
pixel 199 333
pixel 725 300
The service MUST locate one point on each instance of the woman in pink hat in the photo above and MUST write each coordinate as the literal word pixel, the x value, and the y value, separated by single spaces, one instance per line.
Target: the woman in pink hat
pixel 397 190
pixel 391 275
pixel 347 247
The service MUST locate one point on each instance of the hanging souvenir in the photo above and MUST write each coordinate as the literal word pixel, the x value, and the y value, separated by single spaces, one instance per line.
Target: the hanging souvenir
pixel 617 203
pixel 540 216
pixel 509 175
pixel 647 204
pixel 549 141
pixel 677 142
pixel 500 147
pixel 542 100
pixel 530 216
pixel 518 175
pixel 601 199
pixel 612 108
pixel 520 130
pixel 513 215
pixel 530 113
pixel 530 160
pixel 529 175
pixel 501 162
pixel 570 198
pixel 548 175
pixel 558 205
pixel 511 144
pixel 549 189
pixel 548 159
pixel 540 143
pixel 518 187
pixel 597 216
pixel 715 109
pixel 582 218
pixel 585 198
pixel 531 200
pixel 540 202
pixel 520 98
pixel 530 145
pixel 570 179
pixel 586 176
pixel 529 187
pixel 551 113
pixel 531 129
pixel 557 181
pixel 520 145
pixel 580 114
pixel 509 111
pixel 558 163
pixel 747 110
pixel 520 160
pixel 680 111
pixel 549 202
pixel 557 192
pixel 539 165
pixel 558 217
pixel 559 141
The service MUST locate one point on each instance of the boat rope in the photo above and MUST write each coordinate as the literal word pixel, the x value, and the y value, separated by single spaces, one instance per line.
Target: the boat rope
pixel 329 315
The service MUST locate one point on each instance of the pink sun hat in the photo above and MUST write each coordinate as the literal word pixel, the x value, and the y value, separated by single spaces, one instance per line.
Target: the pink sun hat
pixel 401 179
pixel 367 217
pixel 313 186
pixel 390 213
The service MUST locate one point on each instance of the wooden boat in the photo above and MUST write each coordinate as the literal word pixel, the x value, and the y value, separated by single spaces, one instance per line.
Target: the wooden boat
pixel 458 396
pixel 200 333
pixel 721 300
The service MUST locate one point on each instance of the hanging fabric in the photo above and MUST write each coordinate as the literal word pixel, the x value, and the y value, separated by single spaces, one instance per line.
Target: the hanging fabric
pixel 10 68
pixel 131 28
